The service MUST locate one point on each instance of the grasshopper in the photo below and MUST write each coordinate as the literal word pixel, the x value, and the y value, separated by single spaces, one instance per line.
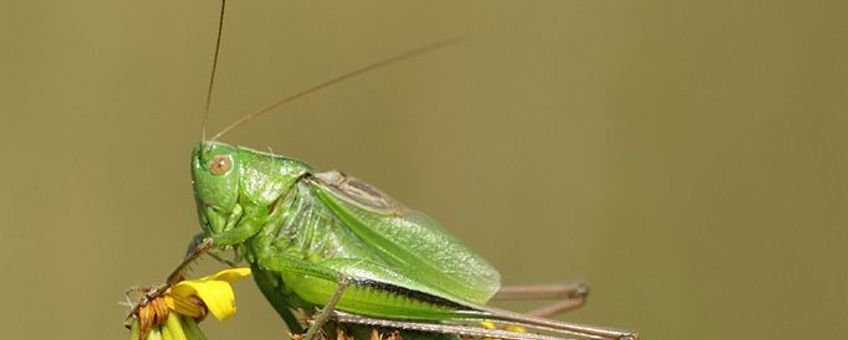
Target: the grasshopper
pixel 328 241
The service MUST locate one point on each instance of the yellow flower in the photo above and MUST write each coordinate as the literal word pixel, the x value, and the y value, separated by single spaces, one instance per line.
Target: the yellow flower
pixel 189 300
pixel 213 291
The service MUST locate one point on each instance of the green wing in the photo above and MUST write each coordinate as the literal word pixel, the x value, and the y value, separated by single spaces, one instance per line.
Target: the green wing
pixel 420 252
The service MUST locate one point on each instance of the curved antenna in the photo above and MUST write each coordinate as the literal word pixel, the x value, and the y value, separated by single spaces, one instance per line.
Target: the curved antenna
pixel 322 85
pixel 214 68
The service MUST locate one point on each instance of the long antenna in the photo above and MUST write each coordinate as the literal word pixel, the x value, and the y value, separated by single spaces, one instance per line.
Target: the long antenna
pixel 322 85
pixel 214 68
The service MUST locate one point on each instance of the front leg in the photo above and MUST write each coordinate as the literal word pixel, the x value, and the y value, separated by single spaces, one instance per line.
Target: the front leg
pixel 215 253
pixel 569 296
pixel 218 255
pixel 198 247
pixel 240 226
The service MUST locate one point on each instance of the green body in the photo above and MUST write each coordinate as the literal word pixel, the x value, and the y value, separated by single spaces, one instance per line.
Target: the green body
pixel 302 232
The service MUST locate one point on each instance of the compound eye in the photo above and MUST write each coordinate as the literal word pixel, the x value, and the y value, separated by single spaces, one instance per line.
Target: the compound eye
pixel 220 165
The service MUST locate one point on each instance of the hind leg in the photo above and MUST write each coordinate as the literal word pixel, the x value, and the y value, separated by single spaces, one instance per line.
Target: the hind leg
pixel 568 296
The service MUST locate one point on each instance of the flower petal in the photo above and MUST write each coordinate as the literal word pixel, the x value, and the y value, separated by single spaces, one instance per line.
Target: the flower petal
pixel 218 296
pixel 185 305
pixel 214 290
pixel 229 275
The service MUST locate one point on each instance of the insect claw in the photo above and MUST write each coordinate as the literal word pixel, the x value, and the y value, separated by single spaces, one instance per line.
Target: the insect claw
pixel 581 292
pixel 630 336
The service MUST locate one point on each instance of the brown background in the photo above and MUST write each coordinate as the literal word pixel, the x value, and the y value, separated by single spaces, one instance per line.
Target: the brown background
pixel 687 159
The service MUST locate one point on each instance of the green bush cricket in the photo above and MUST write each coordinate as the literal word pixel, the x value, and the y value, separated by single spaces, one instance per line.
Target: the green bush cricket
pixel 327 240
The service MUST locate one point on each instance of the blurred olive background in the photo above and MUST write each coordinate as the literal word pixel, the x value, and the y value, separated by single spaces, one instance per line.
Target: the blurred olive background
pixel 688 159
